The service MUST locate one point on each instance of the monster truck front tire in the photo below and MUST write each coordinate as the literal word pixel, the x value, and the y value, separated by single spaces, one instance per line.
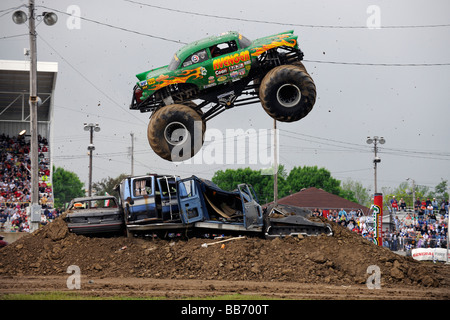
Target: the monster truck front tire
pixel 287 93
pixel 176 132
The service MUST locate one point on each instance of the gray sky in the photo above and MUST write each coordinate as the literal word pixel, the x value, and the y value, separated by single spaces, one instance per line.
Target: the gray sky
pixel 369 82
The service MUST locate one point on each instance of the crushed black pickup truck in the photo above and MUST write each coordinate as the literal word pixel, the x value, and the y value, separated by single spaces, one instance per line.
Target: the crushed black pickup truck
pixel 161 204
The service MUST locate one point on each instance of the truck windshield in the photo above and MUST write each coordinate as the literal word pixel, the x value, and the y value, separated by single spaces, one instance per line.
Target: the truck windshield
pixel 243 41
pixel 174 63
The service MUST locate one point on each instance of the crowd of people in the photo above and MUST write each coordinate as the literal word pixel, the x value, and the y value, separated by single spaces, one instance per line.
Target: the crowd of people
pixel 15 182
pixel 425 227
pixel 422 228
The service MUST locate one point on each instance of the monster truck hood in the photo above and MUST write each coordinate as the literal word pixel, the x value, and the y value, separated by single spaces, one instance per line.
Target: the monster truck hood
pixel 287 35
pixel 154 73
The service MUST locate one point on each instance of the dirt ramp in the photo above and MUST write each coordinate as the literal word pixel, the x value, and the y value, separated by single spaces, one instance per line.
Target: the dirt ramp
pixel 342 259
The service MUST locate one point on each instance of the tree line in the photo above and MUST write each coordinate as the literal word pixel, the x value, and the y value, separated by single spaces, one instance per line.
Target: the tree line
pixel 67 185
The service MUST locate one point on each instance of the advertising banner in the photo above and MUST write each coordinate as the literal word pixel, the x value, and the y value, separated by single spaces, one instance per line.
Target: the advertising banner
pixel 432 254
pixel 377 218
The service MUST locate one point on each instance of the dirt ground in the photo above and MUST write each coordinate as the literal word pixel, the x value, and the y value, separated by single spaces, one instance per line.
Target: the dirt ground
pixel 323 268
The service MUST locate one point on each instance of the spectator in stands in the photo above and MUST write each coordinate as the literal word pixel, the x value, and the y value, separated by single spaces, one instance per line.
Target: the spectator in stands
pixel 351 214
pixel 394 204
pixel 417 204
pixel 15 179
pixel 3 218
pixel 402 204
pixel 3 243
pixel 435 204
pixel 342 216
pixel 429 209
pixel 316 212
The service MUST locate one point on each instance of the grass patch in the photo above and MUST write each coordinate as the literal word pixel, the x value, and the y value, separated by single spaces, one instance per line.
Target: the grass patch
pixel 59 295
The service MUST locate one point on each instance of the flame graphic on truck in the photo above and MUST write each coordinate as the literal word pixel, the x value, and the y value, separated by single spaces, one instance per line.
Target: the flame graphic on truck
pixel 274 44
pixel 183 77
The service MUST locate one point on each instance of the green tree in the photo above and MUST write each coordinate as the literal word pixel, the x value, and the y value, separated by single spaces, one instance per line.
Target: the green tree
pixel 107 185
pixel 297 179
pixel 306 177
pixel 440 191
pixel 360 194
pixel 66 186
pixel 261 183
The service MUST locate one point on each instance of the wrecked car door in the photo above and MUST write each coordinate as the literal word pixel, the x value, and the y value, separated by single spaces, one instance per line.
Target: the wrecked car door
pixel 190 204
pixel 141 198
pixel 168 193
pixel 252 210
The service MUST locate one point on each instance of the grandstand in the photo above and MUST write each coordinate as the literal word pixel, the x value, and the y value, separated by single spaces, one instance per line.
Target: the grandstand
pixel 15 114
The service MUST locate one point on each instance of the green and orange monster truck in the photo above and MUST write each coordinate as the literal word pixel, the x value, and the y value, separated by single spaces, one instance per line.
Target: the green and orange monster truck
pixel 221 72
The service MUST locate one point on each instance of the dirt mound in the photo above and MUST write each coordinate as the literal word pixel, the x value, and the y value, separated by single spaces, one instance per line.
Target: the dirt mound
pixel 342 259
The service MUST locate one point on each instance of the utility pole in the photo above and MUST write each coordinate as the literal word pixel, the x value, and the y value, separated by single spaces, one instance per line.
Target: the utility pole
pixel 132 153
pixel 49 18
pixel 35 207
pixel 448 229
pixel 275 161
pixel 375 140
pixel 91 128
pixel 413 198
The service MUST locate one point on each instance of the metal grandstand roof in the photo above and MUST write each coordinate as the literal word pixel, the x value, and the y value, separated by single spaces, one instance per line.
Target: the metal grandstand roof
pixel 15 89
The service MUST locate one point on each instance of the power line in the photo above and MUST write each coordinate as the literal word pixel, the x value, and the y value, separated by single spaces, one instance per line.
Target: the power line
pixel 90 82
pixel 116 27
pixel 14 36
pixel 282 23
pixel 381 64
pixel 363 148
pixel 249 20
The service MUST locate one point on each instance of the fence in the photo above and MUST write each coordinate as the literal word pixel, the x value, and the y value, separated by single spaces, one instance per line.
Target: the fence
pixel 408 243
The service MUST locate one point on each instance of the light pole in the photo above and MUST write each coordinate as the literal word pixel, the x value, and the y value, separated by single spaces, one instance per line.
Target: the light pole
pixel 377 197
pixel 375 140
pixel 50 18
pixel 132 153
pixel 91 127
pixel 275 176
pixel 413 199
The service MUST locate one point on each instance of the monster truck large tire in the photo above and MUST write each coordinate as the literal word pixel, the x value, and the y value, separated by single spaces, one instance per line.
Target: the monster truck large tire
pixel 176 132
pixel 287 93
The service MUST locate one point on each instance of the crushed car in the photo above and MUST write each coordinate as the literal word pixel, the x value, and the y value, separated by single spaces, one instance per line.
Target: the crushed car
pixel 94 215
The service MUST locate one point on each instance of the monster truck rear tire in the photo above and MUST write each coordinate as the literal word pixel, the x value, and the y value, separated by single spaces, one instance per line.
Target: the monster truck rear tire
pixel 287 93
pixel 176 132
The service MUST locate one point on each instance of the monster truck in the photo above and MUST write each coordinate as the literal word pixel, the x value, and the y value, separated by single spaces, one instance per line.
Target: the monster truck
pixel 222 72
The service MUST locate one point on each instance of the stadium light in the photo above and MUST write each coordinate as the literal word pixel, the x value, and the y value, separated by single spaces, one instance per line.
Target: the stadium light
pixel 91 127
pixel 375 140
pixel 19 17
pixel 50 18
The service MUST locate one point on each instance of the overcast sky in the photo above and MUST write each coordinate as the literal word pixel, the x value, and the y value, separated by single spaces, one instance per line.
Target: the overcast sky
pixel 392 81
